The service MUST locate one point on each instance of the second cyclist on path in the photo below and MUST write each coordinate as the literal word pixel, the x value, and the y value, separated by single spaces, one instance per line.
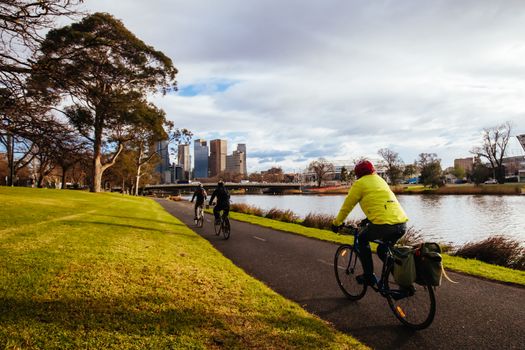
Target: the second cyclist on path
pixel 223 201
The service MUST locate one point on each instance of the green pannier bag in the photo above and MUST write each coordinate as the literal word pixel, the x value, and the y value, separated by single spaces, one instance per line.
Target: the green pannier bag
pixel 428 261
pixel 404 265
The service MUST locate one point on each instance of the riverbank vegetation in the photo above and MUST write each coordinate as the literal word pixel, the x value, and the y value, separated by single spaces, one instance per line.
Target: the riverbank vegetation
pixel 479 259
pixel 110 271
pixel 500 189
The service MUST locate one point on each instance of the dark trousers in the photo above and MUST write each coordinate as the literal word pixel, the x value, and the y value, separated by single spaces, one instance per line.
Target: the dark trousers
pixel 389 234
pixel 217 209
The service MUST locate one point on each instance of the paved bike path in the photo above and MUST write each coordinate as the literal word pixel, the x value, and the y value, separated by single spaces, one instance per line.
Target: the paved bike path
pixel 473 314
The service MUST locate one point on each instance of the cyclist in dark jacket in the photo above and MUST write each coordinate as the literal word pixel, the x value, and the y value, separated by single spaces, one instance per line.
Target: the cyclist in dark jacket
pixel 201 195
pixel 223 201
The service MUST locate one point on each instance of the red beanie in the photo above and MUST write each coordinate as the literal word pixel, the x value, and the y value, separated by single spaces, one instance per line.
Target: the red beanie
pixel 363 168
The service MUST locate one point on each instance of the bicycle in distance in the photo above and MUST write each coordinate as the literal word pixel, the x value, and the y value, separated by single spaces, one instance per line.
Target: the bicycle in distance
pixel 199 220
pixel 223 226
pixel 414 306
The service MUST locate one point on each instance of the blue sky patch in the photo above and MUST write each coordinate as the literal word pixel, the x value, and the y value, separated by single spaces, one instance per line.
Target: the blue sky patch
pixel 206 88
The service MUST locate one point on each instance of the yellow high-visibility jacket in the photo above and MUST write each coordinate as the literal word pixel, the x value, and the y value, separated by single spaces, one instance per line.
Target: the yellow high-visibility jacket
pixel 377 201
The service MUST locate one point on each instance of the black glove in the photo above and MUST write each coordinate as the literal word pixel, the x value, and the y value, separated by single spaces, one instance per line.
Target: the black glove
pixel 335 228
pixel 363 222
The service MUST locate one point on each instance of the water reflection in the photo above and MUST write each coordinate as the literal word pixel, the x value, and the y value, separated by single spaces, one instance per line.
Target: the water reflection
pixel 454 219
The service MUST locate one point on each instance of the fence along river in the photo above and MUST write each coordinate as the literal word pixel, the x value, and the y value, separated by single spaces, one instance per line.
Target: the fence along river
pixel 448 219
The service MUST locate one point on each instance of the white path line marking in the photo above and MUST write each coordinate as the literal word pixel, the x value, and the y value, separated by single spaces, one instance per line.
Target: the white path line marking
pixel 325 262
pixel 259 238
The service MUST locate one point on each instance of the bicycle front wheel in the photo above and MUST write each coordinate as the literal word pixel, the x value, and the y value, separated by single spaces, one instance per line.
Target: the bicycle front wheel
pixel 347 266
pixel 415 307
pixel 226 228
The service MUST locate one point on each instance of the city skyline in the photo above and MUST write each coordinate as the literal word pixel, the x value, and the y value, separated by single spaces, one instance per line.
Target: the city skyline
pixel 410 76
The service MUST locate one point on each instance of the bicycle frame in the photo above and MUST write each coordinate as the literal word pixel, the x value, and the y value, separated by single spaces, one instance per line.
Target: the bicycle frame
pixel 389 260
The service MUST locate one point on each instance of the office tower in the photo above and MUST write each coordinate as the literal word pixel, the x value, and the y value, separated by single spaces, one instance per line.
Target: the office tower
pixel 163 168
pixel 200 155
pixel 241 147
pixel 217 161
pixel 235 163
pixel 183 159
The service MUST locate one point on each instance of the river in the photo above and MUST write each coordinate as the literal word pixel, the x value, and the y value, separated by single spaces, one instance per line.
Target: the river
pixel 454 219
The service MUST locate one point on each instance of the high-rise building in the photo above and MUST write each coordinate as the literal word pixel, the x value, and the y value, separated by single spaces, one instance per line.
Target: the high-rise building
pixel 163 168
pixel 235 163
pixel 217 161
pixel 183 159
pixel 241 147
pixel 200 156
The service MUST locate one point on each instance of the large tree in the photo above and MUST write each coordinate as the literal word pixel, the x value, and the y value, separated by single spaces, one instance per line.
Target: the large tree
pixel 321 168
pixel 493 147
pixel 106 72
pixel 393 164
pixel 430 168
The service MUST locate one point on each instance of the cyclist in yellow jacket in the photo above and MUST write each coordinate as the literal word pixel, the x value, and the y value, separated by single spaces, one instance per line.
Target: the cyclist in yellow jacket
pixel 386 219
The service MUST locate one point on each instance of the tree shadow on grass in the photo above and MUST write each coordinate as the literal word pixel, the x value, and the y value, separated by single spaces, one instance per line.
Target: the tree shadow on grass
pixel 138 219
pixel 132 316
pixel 135 227
pixel 143 317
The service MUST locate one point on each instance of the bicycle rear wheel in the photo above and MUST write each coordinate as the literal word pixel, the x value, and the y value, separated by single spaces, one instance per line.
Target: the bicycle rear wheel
pixel 226 227
pixel 347 266
pixel 416 307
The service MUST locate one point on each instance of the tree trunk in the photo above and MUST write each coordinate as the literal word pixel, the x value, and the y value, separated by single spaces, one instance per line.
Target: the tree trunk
pixel 97 174
pixel 63 178
pixel 137 180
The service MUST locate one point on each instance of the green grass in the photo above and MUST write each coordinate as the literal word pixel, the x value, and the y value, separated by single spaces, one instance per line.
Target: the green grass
pixel 106 271
pixel 467 266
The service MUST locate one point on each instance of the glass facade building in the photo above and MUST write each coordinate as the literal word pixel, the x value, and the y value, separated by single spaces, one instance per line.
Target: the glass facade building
pixel 200 156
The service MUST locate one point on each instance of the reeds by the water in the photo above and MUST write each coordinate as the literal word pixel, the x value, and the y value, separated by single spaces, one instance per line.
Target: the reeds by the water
pixel 282 215
pixel 321 221
pixel 497 250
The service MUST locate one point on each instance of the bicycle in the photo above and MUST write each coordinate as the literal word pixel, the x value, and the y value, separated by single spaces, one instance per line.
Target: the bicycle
pixel 199 221
pixel 415 307
pixel 223 226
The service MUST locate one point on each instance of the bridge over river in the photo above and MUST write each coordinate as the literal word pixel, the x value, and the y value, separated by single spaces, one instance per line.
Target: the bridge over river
pixel 252 187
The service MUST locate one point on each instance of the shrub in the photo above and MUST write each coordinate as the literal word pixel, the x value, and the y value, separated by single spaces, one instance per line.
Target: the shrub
pixel 282 215
pixel 496 250
pixel 246 209
pixel 321 221
pixel 411 237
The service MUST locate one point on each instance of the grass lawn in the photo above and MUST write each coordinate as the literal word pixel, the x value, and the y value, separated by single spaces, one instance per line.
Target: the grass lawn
pixel 106 271
pixel 467 266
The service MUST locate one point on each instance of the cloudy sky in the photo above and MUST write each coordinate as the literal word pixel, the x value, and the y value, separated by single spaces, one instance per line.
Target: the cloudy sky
pixel 301 79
